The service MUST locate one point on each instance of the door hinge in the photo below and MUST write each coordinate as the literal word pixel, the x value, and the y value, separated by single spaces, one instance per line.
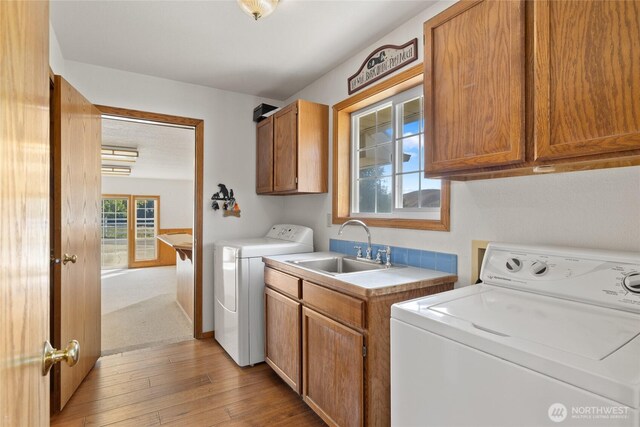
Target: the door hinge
pixel 296 179
pixel 364 351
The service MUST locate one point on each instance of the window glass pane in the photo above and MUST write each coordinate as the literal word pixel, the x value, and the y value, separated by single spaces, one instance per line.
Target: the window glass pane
pixel 409 154
pixel 384 196
pixel 430 193
pixel 146 229
pixel 367 163
pixel 367 195
pixel 385 129
pixel 411 117
pixel 389 158
pixel 114 245
pixel 409 188
pixel 367 129
pixel 383 160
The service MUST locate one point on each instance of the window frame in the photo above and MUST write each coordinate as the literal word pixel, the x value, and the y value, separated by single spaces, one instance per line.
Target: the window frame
pixel 102 230
pixel 396 175
pixel 132 263
pixel 133 230
pixel 343 162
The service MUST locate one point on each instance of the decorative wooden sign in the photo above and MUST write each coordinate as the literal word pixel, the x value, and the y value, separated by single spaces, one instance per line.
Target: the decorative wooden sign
pixel 382 61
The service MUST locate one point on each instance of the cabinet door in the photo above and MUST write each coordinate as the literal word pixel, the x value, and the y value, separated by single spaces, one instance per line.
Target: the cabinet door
pixel 282 337
pixel 587 77
pixel 285 143
pixel 333 369
pixel 474 86
pixel 264 156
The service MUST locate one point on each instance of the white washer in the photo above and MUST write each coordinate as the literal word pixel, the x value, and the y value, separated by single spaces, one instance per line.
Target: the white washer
pixel 239 288
pixel 551 337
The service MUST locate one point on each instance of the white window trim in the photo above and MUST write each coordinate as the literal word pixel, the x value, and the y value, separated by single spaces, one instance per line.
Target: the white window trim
pixel 408 213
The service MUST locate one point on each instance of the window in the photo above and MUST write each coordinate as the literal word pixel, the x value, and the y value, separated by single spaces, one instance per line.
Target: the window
pixel 146 228
pixel 129 229
pixel 115 226
pixel 387 148
pixel 378 158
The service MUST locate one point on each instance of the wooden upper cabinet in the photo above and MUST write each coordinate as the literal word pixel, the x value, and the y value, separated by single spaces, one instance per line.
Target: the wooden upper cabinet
pixel 264 156
pixel 285 147
pixel 299 150
pixel 587 77
pixel 474 86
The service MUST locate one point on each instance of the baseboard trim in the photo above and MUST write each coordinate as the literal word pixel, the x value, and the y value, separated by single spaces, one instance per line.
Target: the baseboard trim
pixel 205 335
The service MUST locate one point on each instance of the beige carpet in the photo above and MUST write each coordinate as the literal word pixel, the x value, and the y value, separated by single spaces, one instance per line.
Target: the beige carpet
pixel 139 309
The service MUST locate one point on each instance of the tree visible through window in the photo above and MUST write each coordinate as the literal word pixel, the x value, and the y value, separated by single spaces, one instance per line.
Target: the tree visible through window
pixel 388 160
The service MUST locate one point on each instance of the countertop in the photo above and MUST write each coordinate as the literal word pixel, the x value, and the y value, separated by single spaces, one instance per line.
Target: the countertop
pixel 181 242
pixel 177 241
pixel 361 284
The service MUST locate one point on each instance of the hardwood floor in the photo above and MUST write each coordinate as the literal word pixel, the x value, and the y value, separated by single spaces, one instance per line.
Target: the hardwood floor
pixel 191 383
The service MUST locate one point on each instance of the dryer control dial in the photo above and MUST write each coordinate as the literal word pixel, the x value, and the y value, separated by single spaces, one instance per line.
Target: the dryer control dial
pixel 631 282
pixel 514 264
pixel 539 268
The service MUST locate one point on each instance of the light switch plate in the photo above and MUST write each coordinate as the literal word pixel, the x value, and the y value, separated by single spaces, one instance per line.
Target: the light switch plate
pixel 329 222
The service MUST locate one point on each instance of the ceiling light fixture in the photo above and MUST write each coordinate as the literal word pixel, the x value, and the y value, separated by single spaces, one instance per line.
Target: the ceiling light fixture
pixel 119 154
pixel 116 170
pixel 258 8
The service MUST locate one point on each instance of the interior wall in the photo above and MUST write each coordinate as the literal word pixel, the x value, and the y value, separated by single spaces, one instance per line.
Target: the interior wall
pixel 229 148
pixel 596 209
pixel 176 196
pixel 56 60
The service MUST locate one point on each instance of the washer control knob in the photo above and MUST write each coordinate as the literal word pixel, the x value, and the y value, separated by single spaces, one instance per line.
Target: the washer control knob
pixel 539 268
pixel 514 264
pixel 631 282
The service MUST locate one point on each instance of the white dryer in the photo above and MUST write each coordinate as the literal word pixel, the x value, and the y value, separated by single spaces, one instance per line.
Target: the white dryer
pixel 239 288
pixel 551 337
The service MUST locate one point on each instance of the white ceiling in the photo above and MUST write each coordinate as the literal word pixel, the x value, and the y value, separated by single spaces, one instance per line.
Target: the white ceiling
pixel 213 43
pixel 164 152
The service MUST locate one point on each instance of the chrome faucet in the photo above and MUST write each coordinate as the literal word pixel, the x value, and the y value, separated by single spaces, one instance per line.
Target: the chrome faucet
pixel 363 225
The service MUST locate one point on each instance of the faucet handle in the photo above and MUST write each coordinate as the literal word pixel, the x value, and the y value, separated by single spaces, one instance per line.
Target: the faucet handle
pixel 359 254
pixel 388 252
pixel 379 256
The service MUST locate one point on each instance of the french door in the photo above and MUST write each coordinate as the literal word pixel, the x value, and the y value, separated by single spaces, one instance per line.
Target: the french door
pixel 129 230
pixel 143 244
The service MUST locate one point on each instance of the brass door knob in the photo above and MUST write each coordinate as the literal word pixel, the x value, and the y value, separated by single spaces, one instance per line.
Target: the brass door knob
pixel 51 356
pixel 67 258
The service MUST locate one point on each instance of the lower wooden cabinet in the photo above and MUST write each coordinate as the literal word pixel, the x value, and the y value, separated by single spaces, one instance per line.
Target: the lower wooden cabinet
pixel 333 369
pixel 331 344
pixel 282 338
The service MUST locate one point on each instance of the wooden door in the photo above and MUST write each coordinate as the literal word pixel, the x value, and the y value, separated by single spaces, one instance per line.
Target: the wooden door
pixel 474 86
pixel 24 208
pixel 282 337
pixel 285 147
pixel 264 156
pixel 333 369
pixel 587 77
pixel 76 217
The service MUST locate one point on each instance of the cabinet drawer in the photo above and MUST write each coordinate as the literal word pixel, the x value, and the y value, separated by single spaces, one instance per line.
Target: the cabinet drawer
pixel 282 282
pixel 342 307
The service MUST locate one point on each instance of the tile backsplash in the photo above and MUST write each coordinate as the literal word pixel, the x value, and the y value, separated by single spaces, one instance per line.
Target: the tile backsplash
pixel 439 261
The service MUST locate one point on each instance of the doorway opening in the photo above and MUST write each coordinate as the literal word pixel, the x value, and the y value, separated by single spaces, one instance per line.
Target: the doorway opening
pixel 151 281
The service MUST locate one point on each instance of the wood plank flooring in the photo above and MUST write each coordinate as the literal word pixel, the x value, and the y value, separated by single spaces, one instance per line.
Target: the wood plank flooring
pixel 191 383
